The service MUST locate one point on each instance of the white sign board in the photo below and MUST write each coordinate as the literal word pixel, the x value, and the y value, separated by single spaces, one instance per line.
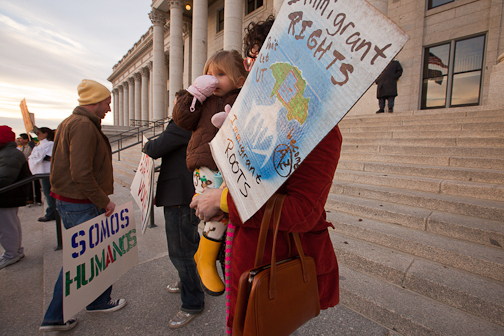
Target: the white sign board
pixel 142 186
pixel 95 254
pixel 319 58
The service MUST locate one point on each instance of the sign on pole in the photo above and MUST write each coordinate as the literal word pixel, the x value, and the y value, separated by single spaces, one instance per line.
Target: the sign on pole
pixel 95 254
pixel 28 122
pixel 142 186
pixel 319 58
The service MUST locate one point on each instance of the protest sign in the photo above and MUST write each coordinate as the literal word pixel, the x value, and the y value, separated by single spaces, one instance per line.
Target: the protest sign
pixel 27 119
pixel 142 187
pixel 319 58
pixel 95 254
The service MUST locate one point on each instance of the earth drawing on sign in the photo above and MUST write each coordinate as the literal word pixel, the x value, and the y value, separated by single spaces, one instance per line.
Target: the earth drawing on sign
pixel 289 89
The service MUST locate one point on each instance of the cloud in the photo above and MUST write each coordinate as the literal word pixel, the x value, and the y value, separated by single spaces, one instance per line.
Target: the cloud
pixel 49 46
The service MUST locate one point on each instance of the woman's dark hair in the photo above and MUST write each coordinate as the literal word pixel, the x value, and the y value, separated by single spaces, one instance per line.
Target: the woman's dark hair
pixel 48 131
pixel 256 33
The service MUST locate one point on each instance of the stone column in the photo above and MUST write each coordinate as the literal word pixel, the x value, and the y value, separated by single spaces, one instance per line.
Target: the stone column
pixel 120 120
pixel 381 5
pixel 199 37
pixel 126 104
pixel 138 97
pixel 151 92
pixel 131 104
pixel 233 21
pixel 176 51
pixel 159 75
pixel 115 106
pixel 145 94
pixel 186 37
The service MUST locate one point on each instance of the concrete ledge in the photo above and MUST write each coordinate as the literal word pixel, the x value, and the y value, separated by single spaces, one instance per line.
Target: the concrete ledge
pixel 470 257
pixel 405 311
pixel 471 207
pixel 445 173
pixel 478 190
pixel 476 295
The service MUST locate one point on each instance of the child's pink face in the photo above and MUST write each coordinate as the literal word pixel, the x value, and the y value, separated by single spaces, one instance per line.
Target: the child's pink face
pixel 226 84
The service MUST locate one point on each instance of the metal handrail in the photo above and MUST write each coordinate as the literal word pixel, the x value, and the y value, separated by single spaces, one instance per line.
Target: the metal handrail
pixel 24 181
pixel 154 123
pixel 138 132
pixel 34 177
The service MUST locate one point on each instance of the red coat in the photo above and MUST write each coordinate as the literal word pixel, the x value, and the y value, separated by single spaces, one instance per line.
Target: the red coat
pixel 303 212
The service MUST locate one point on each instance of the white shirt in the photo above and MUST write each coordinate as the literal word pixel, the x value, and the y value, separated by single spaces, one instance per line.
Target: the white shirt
pixel 36 158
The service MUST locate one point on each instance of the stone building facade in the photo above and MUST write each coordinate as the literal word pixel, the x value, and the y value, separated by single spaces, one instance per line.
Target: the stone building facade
pixel 451 60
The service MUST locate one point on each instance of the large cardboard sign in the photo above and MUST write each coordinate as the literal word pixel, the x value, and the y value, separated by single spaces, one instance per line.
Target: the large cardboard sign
pixel 319 58
pixel 27 118
pixel 95 254
pixel 142 186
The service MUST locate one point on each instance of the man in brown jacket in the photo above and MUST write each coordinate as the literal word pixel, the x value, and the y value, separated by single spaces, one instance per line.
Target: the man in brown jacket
pixel 81 180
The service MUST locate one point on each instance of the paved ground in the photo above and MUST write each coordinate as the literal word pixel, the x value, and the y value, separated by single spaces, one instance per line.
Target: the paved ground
pixel 26 289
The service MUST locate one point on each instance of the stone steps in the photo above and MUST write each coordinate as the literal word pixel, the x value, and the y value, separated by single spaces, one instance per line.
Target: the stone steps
pixel 484 126
pixel 471 229
pixel 397 120
pixel 417 205
pixel 422 115
pixel 481 152
pixel 427 160
pixel 471 293
pixel 471 257
pixel 349 133
pixel 406 311
pixel 480 190
pixel 438 142
pixel 465 206
pixel 445 173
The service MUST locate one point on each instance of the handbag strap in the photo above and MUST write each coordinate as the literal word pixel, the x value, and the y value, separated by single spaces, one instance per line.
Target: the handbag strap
pixel 268 212
pixel 276 223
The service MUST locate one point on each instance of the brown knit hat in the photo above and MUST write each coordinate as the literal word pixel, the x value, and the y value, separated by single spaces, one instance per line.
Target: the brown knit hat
pixel 91 92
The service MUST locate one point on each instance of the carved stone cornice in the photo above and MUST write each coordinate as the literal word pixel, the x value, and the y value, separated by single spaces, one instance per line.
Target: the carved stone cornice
pixel 158 17
pixel 175 4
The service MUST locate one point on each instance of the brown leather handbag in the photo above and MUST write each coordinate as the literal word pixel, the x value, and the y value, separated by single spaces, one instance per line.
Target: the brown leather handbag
pixel 277 298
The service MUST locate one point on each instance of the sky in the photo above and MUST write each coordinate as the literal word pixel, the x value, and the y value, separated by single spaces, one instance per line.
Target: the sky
pixel 49 46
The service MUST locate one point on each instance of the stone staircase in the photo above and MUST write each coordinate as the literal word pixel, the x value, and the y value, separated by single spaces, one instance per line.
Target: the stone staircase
pixel 418 208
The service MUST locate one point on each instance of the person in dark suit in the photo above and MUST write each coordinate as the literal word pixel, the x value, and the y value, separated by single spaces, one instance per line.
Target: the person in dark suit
pixel 387 86
pixel 174 192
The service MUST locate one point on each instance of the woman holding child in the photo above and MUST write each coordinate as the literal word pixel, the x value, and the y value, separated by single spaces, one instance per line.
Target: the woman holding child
pixel 307 190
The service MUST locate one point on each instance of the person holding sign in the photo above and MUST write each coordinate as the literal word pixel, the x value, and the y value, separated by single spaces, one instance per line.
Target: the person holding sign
pixel 81 182
pixel 174 192
pixel 40 163
pixel 303 212
pixel 210 93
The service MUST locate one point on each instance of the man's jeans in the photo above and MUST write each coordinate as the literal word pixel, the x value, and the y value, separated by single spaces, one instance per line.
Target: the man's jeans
pixel 72 214
pixel 51 202
pixel 181 226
